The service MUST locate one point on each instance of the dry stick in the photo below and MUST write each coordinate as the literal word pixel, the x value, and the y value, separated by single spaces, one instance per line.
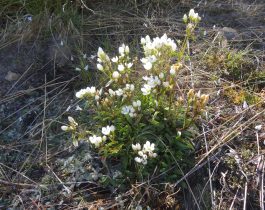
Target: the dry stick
pixel 262 186
pixel 66 188
pixel 209 168
pixel 232 204
pixel 261 198
pixel 190 64
pixel 16 184
pixel 230 136
pixel 257 137
pixel 43 131
pixel 202 191
pixel 36 184
pixel 87 7
pixel 24 92
pixel 245 196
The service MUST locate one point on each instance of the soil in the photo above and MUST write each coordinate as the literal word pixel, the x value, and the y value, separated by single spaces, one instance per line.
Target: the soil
pixel 45 71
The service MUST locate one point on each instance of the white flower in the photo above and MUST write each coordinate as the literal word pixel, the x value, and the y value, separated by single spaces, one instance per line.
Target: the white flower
pixel 146 90
pixel 86 68
pixel 108 129
pixel 115 59
pixel 101 53
pixel 166 84
pixel 99 67
pixel 123 49
pixel 111 92
pixel 138 160
pixel 78 108
pixel 258 127
pixel 129 65
pixel 141 153
pixel 245 105
pixel 96 140
pixel 194 16
pixel 65 128
pixel 151 58
pixel 153 155
pixel 152 81
pixel 97 97
pixel 191 13
pixel 145 40
pixel 80 93
pixel 148 147
pixel 72 121
pixel 127 50
pixel 147 151
pixel 87 91
pixel 119 92
pixel 148 66
pixel 77 69
pixel 128 110
pixel 153 47
pixel 161 75
pixel 136 147
pixel 137 104
pixel 172 70
pixel 190 26
pixel 121 67
pixel 129 87
pixel 132 87
pixel 185 18
pixel 115 75
pixel 125 110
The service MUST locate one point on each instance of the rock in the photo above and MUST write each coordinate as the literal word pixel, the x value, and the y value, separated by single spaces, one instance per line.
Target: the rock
pixel 229 33
pixel 11 76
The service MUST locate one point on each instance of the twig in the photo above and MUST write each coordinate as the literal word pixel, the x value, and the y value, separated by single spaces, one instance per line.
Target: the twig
pixel 66 188
pixel 245 196
pixel 209 169
pixel 232 204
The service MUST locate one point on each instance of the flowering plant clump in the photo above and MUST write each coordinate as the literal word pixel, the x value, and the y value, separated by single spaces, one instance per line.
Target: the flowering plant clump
pixel 139 118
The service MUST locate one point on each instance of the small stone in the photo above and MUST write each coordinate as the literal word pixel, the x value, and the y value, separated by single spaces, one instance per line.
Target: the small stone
pixel 11 76
pixel 258 127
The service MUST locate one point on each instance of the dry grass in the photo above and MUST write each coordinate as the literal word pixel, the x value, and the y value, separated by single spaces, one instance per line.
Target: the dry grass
pixel 229 168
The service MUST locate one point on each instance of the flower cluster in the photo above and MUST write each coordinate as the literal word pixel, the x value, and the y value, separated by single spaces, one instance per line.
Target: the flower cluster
pixel 116 66
pixel 122 91
pixel 98 140
pixel 152 82
pixel 72 125
pixel 89 91
pixel 144 153
pixel 140 105
pixel 193 17
pixel 155 48
pixel 131 109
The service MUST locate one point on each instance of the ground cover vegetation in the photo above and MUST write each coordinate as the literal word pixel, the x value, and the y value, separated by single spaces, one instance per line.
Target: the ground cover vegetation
pixel 132 104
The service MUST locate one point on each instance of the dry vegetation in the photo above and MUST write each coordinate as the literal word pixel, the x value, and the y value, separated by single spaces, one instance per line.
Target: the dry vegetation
pixel 41 45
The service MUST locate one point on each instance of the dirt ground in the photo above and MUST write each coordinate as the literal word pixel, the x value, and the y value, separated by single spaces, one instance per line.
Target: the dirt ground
pixel 37 84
